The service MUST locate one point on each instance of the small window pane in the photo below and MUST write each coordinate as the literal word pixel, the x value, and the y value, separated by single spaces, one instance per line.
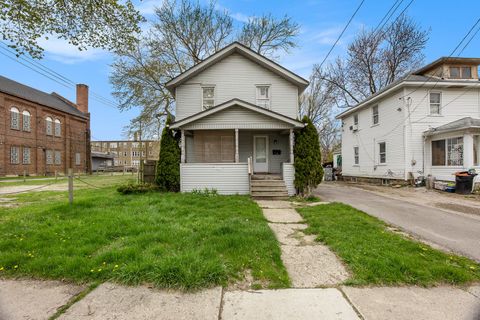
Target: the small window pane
pixel 49 156
pixel 208 97
pixel 77 158
pixel 49 126
pixel 454 72
pixel 435 102
pixel 466 72
pixel 26 155
pixel 438 153
pixel 355 119
pixel 58 157
pixel 382 152
pixel 375 114
pixel 14 155
pixel 455 151
pixel 58 128
pixel 263 96
pixel 26 121
pixel 14 119
pixel 356 155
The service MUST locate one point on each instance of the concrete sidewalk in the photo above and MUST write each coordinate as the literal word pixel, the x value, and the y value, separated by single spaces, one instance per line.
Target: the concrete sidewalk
pixel 27 299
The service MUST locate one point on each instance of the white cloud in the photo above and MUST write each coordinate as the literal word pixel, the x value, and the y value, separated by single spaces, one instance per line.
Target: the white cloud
pixel 62 51
pixel 327 36
pixel 240 17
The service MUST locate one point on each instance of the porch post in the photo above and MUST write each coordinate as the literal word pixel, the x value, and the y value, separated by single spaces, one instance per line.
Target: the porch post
pixel 291 146
pixel 182 143
pixel 237 158
pixel 468 150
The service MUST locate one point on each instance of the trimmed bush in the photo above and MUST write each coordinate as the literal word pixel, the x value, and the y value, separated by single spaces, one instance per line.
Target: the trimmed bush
pixel 168 168
pixel 135 188
pixel 308 159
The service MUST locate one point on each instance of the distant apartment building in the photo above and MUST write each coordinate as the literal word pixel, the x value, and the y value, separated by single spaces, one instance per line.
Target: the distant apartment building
pixel 42 133
pixel 128 153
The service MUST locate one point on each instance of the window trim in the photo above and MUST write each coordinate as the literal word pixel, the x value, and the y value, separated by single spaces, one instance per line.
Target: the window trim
pixel 26 113
pixel 460 71
pixel 206 86
pixel 55 123
pixel 29 155
pixel 373 116
pixel 257 96
pixel 355 119
pixel 356 157
pixel 17 148
pixel 380 163
pixel 14 110
pixel 439 104
pixel 445 140
pixel 47 120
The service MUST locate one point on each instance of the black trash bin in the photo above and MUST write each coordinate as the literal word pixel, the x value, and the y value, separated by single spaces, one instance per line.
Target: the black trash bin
pixel 464 182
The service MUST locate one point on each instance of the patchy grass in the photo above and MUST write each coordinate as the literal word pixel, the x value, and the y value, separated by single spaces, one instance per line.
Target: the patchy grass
pixel 168 240
pixel 100 180
pixel 309 199
pixel 380 257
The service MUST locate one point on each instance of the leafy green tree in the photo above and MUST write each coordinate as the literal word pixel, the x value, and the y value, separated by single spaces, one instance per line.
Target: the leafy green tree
pixel 308 158
pixel 106 24
pixel 168 168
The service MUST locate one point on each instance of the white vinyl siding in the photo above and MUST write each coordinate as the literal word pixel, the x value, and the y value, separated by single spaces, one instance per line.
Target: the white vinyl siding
pixel 236 77
pixel 288 171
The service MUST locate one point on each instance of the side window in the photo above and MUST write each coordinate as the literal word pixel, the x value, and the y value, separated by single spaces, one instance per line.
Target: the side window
pixel 26 121
pixel 14 118
pixel 14 155
pixel 58 128
pixel 355 119
pixel 49 126
pixel 435 103
pixel 382 152
pixel 356 155
pixel 375 118
pixel 208 97
pixel 263 96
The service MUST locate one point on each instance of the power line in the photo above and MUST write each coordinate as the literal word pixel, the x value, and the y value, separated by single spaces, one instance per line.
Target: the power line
pixel 469 31
pixel 473 36
pixel 341 34
pixel 387 14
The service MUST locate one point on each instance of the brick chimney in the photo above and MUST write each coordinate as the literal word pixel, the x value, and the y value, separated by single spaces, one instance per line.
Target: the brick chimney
pixel 82 97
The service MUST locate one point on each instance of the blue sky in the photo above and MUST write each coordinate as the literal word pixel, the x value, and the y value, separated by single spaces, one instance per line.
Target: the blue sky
pixel 321 22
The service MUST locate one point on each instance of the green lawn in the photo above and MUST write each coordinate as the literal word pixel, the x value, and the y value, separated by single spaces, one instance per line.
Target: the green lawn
pixel 182 241
pixel 102 179
pixel 377 256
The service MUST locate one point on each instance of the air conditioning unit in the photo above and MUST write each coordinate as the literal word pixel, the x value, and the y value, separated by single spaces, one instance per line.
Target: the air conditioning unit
pixel 354 127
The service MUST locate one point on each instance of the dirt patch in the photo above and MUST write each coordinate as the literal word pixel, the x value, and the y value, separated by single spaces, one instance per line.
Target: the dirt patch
pixel 458 207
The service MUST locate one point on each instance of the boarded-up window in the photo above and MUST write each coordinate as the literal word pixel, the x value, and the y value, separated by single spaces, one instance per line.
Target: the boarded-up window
pixel 214 146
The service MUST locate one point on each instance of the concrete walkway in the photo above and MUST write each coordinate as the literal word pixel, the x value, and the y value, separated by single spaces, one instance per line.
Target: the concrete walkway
pixel 456 232
pixel 40 300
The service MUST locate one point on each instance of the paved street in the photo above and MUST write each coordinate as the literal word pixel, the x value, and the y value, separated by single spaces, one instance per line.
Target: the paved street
pixel 457 232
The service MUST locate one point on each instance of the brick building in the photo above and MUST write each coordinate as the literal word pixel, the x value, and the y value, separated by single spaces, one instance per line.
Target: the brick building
pixel 42 133
pixel 128 153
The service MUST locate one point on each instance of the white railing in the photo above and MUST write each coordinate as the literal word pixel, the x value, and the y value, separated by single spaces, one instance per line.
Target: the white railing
pixel 250 172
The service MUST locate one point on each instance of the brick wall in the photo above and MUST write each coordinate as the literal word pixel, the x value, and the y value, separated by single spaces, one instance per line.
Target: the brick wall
pixel 74 138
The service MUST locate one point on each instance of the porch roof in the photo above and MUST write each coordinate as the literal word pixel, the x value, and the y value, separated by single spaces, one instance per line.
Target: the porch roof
pixel 293 123
pixel 461 124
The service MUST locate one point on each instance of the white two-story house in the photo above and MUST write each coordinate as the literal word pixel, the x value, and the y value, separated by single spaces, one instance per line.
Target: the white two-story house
pixel 427 123
pixel 237 113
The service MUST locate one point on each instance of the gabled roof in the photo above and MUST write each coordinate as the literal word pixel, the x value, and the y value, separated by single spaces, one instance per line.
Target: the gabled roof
pixel 460 124
pixel 237 102
pixel 239 48
pixel 51 100
pixel 449 60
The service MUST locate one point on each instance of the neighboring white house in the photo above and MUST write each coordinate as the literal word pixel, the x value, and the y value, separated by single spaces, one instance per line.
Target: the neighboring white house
pixel 237 111
pixel 427 123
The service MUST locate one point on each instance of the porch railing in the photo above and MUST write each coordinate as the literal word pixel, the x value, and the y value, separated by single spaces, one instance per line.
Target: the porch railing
pixel 250 172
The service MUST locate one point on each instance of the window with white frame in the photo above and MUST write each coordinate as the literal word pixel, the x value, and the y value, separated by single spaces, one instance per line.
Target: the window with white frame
pixel 135 153
pixel 26 121
pixel 49 156
pixel 356 155
pixel 476 150
pixel 355 119
pixel 382 152
pixel 26 155
pixel 78 158
pixel 14 155
pixel 375 117
pixel 113 145
pixel 435 102
pixel 14 118
pixel 208 97
pixel 58 157
pixel 49 126
pixel 58 128
pixel 447 152
pixel 263 96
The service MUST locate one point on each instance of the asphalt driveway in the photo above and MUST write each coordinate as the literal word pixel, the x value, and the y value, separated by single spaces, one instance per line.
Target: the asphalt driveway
pixel 457 232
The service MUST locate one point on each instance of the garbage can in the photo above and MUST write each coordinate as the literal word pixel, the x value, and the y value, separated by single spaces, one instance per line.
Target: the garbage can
pixel 464 182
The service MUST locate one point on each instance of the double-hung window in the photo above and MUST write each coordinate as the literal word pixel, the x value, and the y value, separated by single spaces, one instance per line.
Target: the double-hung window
pixel 78 159
pixel 26 121
pixel 263 96
pixel 26 155
pixel 58 128
pixel 49 126
pixel 435 103
pixel 355 119
pixel 14 118
pixel 356 155
pixel 14 155
pixel 208 97
pixel 49 156
pixel 375 117
pixel 58 157
pixel 382 152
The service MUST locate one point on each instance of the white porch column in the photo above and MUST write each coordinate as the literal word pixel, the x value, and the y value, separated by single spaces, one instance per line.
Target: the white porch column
pixel 237 157
pixel 182 144
pixel 468 150
pixel 291 146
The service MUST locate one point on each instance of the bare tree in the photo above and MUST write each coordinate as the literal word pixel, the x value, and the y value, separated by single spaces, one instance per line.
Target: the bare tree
pixel 184 34
pixel 377 59
pixel 267 35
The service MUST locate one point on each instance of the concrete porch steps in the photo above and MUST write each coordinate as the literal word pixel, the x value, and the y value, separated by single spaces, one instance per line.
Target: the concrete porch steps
pixel 268 187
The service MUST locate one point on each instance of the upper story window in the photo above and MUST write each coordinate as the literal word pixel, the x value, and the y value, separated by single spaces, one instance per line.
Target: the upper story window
pixel 58 128
pixel 375 117
pixel 49 126
pixel 14 118
pixel 263 96
pixel 208 97
pixel 382 152
pixel 435 102
pixel 464 72
pixel 356 155
pixel 355 119
pixel 113 145
pixel 26 121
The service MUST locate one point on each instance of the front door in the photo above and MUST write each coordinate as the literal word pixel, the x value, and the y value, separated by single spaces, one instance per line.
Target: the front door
pixel 260 153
